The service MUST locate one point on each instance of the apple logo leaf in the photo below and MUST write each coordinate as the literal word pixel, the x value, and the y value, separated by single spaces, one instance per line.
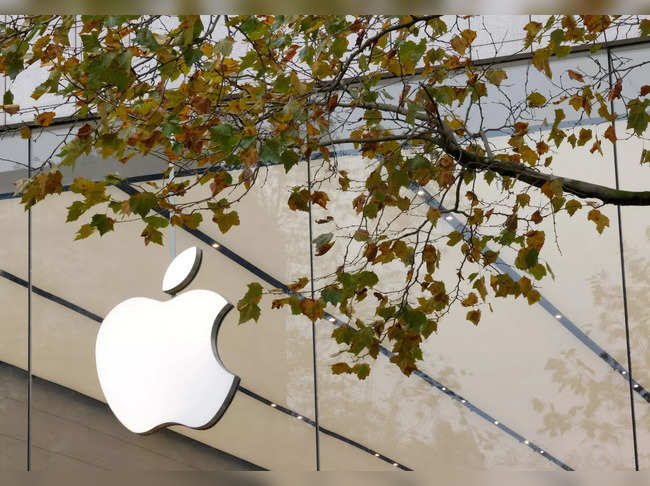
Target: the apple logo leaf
pixel 158 362
pixel 182 270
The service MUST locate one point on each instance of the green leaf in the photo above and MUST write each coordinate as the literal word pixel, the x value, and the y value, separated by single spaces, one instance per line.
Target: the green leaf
pixel 496 76
pixel 248 305
pixel 252 27
pixel 415 320
pixel 535 100
pixel 410 51
pixel 225 221
pixel 157 221
pixel 572 206
pixel 366 279
pixel 454 238
pixel 76 209
pixel 637 116
pixel 362 370
pixel 225 136
pixel 103 223
pixel 146 39
pixel 142 203
pixel 289 158
pixel 331 295
pixel 8 98
pixel 270 151
pixel 151 235
pixel 321 239
pixel 85 231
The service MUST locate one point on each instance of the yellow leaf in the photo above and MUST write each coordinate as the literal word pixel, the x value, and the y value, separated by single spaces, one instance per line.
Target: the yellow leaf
pixel 44 119
pixel 474 316
pixel 599 218
pixel 11 109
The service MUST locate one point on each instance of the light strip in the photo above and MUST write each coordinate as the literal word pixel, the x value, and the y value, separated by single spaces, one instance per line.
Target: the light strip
pixel 279 285
pixel 545 303
pixel 94 317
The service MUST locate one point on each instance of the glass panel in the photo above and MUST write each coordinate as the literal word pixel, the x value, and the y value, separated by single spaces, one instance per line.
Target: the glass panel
pixel 88 278
pixel 549 374
pixel 631 65
pixel 13 302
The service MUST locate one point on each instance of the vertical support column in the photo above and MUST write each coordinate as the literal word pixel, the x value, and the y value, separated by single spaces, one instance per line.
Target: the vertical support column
pixel 172 233
pixel 29 315
pixel 313 324
pixel 610 69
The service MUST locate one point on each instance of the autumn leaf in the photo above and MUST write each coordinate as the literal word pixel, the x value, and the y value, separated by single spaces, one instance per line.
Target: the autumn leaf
pixel 535 100
pixel 615 91
pixel 248 305
pixel 44 119
pixel 312 308
pixel 575 75
pixel 599 219
pixel 299 200
pixel 496 76
pixel 299 284
pixel 610 134
pixel 340 368
pixel 470 300
pixel 11 109
pixel 474 316
pixel 320 198
pixel 225 220
pixel 321 250
pixel 552 188
pixel 572 206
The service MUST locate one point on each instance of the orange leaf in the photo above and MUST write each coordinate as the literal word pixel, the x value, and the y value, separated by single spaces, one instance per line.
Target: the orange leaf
pixel 615 92
pixel 576 75
pixel 44 119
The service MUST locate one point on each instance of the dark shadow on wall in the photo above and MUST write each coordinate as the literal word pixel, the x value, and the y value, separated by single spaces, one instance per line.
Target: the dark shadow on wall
pixel 73 431
pixel 595 406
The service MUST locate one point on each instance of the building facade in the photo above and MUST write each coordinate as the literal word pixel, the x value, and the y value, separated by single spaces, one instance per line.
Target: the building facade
pixel 542 387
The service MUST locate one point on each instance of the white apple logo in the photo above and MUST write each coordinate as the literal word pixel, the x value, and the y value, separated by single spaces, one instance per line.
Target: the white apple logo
pixel 157 362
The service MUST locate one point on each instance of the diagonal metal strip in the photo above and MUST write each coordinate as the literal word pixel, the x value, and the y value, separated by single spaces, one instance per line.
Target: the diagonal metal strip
pixel 546 304
pixel 129 189
pixel 287 411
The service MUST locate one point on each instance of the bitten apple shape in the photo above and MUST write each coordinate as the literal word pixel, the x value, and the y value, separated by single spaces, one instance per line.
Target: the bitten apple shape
pixel 158 363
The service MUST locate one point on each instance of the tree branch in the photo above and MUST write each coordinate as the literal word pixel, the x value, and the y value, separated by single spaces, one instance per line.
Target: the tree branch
pixel 445 140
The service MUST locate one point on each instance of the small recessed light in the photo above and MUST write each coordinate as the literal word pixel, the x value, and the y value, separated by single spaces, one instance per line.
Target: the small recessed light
pixel 463 401
pixel 496 422
pixel 623 372
pixel 526 442
pixel 443 388
pixel 449 218
pixel 636 385
pixel 541 452
pixel 299 417
pixel 273 405
pixel 558 316
pixel 395 464
pixel 420 192
pixel 331 319
pixel 215 245
pixel 376 454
